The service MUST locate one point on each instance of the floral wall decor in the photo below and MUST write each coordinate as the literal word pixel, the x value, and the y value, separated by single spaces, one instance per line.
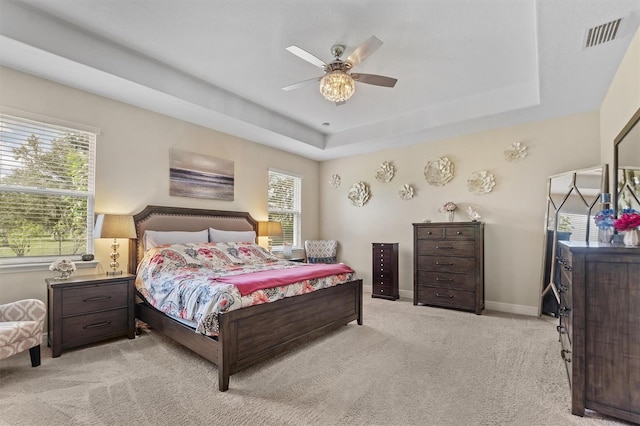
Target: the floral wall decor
pixel 385 172
pixel 517 152
pixel 439 172
pixel 406 192
pixel 335 181
pixel 481 182
pixel 359 194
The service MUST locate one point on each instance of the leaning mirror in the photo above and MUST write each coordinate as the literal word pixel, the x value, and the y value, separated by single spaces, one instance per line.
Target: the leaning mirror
pixel 572 200
pixel 626 166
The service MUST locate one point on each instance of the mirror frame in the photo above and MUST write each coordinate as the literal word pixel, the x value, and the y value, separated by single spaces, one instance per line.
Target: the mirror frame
pixel 616 142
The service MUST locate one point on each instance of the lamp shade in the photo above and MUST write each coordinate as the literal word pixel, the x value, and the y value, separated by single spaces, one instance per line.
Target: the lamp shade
pixel 269 229
pixel 114 226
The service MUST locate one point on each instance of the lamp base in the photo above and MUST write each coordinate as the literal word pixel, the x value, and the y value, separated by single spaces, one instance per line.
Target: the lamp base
pixel 114 272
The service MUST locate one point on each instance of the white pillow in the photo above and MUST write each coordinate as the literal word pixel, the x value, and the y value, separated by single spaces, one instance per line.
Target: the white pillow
pixel 153 239
pixel 218 236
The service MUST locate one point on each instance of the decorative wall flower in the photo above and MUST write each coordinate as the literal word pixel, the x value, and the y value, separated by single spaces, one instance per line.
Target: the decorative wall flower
pixel 481 182
pixel 335 181
pixel 385 172
pixel 359 194
pixel 406 192
pixel 439 172
pixel 517 152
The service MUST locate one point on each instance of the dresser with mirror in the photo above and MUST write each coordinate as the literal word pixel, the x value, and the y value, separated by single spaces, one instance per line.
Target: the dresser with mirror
pixel 596 284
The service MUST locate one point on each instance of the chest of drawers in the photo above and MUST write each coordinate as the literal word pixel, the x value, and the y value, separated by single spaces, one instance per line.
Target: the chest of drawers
pixel 448 265
pixel 600 327
pixel 88 309
pixel 384 271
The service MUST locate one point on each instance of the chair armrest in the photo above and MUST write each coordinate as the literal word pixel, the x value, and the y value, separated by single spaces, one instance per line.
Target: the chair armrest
pixel 23 310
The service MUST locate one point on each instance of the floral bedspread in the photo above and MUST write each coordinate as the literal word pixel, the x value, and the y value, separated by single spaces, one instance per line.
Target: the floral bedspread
pixel 187 280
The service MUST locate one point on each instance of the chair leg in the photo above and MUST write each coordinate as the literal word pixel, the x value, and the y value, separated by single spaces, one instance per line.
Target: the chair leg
pixel 34 353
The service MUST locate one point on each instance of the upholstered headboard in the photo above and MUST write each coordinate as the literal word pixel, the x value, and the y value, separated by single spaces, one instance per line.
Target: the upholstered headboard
pixel 160 218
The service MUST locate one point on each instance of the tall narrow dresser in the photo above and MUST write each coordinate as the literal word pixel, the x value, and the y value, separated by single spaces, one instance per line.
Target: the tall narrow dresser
pixel 448 265
pixel 384 271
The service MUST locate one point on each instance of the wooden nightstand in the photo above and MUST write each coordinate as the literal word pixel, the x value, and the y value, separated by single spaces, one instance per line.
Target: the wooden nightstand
pixel 88 309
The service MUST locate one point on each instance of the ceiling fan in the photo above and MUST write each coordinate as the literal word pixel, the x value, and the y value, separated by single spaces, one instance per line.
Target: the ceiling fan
pixel 338 83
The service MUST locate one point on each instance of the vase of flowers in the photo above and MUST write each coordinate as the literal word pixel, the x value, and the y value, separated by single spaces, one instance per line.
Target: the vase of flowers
pixel 628 222
pixel 62 268
pixel 448 208
pixel 604 221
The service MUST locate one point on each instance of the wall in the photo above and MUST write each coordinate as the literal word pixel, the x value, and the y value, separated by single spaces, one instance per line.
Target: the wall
pixel 513 211
pixel 132 167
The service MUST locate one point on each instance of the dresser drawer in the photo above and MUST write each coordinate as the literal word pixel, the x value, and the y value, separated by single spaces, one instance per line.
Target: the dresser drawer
pixel 447 264
pixel 85 328
pixel 80 300
pixel 459 233
pixel 447 280
pixel 447 297
pixel 430 233
pixel 447 248
pixel 383 290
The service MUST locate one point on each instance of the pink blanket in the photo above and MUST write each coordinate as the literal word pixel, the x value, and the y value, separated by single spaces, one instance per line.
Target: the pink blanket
pixel 248 283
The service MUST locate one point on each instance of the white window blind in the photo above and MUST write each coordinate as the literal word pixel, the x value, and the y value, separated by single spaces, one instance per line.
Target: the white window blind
pixel 285 206
pixel 47 190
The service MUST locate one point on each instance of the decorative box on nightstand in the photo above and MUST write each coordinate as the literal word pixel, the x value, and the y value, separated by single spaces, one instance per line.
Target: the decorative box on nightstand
pixel 88 309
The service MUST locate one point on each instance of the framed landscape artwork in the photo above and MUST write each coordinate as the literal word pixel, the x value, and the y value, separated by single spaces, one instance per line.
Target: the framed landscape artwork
pixel 200 176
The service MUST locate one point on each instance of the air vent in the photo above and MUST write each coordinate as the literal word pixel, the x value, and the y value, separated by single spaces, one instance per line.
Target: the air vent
pixel 602 33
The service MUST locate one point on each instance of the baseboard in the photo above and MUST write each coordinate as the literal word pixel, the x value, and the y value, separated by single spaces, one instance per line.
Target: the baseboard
pixel 508 308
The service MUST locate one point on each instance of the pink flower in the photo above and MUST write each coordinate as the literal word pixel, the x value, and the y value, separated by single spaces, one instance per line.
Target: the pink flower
pixel 627 221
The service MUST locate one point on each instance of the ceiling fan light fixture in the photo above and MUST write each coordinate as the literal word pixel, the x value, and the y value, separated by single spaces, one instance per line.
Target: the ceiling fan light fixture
pixel 337 86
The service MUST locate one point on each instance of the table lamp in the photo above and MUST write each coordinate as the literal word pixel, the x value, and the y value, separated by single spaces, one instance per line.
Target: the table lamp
pixel 269 229
pixel 114 226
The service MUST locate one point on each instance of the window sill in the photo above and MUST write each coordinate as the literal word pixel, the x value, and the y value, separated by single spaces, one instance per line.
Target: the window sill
pixel 39 266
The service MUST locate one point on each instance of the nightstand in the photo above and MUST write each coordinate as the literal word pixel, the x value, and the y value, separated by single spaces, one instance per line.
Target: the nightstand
pixel 87 309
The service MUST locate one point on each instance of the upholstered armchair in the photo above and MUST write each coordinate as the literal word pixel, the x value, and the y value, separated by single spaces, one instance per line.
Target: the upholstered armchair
pixel 321 251
pixel 21 328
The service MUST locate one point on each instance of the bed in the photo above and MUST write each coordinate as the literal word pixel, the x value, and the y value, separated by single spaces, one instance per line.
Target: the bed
pixel 252 334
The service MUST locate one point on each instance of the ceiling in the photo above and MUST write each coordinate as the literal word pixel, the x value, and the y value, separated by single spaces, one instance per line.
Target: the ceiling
pixel 462 65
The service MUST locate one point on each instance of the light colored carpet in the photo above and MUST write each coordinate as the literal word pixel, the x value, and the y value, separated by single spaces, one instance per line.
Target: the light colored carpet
pixel 407 365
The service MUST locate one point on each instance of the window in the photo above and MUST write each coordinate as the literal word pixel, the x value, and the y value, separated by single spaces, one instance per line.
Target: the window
pixel 285 206
pixel 46 190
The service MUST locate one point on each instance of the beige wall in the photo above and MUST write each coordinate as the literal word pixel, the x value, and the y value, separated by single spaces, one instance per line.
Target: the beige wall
pixel 132 171
pixel 513 211
pixel 132 168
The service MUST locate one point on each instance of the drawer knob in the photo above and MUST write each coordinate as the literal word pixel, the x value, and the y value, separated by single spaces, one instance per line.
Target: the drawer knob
pixel 96 325
pixel 444 263
pixel 450 296
pixel 444 247
pixel 429 233
pixel 96 298
pixel 459 233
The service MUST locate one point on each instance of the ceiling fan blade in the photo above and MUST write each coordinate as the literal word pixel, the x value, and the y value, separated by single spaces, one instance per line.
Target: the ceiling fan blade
pixel 376 80
pixel 365 50
pixel 301 84
pixel 303 54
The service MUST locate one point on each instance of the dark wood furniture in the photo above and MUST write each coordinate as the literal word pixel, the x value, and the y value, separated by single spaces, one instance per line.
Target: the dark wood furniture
pixel 384 271
pixel 254 334
pixel 600 327
pixel 88 309
pixel 448 265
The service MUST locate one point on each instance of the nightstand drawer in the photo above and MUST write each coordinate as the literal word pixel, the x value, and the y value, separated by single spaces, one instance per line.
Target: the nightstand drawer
pixel 93 298
pixel 84 328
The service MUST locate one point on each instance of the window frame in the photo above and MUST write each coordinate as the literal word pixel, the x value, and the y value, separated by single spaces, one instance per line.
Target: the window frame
pixel 47 124
pixel 296 211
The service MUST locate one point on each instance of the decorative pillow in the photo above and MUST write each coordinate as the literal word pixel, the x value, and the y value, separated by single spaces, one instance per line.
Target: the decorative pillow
pixel 218 236
pixel 153 239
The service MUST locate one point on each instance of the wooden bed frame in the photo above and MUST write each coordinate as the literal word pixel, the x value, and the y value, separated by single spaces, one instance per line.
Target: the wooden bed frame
pixel 250 335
